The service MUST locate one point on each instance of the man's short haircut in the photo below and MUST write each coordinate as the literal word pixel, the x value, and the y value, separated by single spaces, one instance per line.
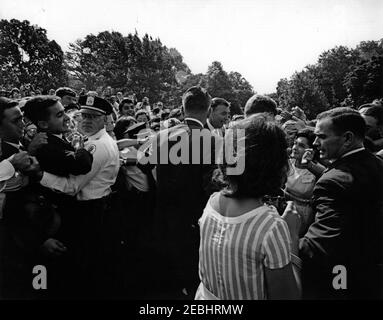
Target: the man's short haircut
pixel 6 103
pixel 259 104
pixel 345 119
pixel 376 112
pixel 36 108
pixel 215 102
pixel 196 100
pixel 15 90
pixel 65 91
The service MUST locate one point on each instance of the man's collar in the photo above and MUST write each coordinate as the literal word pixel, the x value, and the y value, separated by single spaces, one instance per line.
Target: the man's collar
pixel 352 152
pixel 216 131
pixel 97 135
pixel 211 127
pixel 58 135
pixel 194 120
pixel 17 146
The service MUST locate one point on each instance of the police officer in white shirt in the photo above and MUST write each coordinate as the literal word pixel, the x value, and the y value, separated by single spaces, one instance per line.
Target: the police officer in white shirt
pixel 96 184
pixel 92 190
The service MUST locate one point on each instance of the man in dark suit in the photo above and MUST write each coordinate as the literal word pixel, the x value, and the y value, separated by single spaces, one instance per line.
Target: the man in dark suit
pixel 183 188
pixel 21 234
pixel 60 158
pixel 218 116
pixel 342 250
pixel 57 156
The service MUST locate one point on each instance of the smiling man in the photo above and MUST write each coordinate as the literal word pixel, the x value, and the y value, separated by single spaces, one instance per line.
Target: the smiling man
pixel 347 233
pixel 219 115
pixel 57 156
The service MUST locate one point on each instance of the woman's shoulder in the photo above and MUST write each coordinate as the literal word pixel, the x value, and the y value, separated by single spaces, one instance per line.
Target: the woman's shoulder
pixel 216 207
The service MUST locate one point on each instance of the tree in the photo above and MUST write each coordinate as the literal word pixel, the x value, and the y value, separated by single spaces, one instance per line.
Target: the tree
pixel 302 90
pixel 129 64
pixel 218 81
pixel 243 90
pixel 27 56
pixel 341 77
pixel 232 87
pixel 365 81
pixel 368 49
pixel 330 71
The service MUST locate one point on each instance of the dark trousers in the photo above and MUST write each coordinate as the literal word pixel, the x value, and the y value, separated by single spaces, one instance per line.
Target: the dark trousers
pixel 85 233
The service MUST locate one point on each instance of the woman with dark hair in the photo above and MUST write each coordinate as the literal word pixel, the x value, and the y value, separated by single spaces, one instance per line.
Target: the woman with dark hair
pixel 301 180
pixel 126 108
pixel 122 124
pixel 245 247
pixel 373 116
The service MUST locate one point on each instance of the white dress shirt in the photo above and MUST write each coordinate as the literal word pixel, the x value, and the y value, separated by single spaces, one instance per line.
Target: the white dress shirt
pixel 96 183
pixel 216 131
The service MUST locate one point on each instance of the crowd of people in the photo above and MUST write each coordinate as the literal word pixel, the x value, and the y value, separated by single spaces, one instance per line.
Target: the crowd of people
pixel 119 198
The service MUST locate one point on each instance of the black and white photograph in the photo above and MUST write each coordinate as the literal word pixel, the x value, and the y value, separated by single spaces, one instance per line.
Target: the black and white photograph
pixel 189 150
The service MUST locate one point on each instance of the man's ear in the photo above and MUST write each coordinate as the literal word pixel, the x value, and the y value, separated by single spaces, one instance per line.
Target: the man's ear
pixel 42 124
pixel 349 138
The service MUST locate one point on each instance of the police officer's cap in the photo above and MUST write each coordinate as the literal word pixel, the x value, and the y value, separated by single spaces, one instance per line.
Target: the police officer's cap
pixel 96 104
pixel 65 91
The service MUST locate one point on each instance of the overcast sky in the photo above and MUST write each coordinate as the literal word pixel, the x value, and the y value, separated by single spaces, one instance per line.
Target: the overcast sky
pixel 264 40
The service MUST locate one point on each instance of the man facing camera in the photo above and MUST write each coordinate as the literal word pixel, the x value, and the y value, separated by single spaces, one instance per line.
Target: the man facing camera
pixel 218 116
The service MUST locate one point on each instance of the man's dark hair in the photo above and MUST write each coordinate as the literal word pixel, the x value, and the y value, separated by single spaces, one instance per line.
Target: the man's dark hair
pixel 215 102
pixel 6 103
pixel 259 104
pixel 265 158
pixel 36 108
pixel 65 91
pixel 376 112
pixel 196 99
pixel 307 133
pixel 345 119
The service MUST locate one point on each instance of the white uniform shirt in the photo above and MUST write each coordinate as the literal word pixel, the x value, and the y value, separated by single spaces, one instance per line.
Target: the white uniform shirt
pixel 6 172
pixel 96 183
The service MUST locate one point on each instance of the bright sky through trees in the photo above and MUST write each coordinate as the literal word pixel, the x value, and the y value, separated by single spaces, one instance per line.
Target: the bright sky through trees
pixel 264 40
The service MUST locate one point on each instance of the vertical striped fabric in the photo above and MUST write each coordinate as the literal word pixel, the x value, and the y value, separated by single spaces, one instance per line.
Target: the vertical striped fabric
pixel 235 250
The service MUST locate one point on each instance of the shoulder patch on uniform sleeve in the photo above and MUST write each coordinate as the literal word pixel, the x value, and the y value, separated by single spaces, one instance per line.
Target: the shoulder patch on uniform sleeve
pixel 92 148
